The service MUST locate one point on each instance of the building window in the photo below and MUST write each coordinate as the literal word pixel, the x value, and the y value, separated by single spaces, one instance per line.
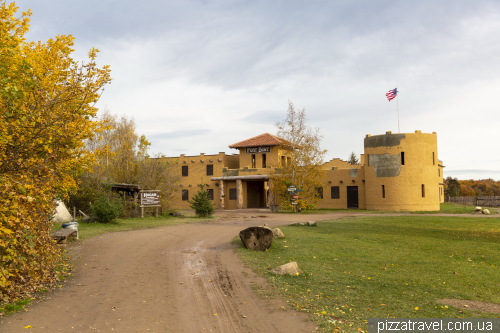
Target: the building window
pixel 335 192
pixel 283 161
pixel 433 160
pixel 185 195
pixel 288 161
pixel 263 160
pixel 210 170
pixel 232 194
pixel 253 161
pixel 423 191
pixel 184 170
pixel 439 172
pixel 402 158
pixel 383 191
pixel 211 193
pixel 320 192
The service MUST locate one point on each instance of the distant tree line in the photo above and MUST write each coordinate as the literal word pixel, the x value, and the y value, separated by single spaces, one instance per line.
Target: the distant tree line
pixel 471 188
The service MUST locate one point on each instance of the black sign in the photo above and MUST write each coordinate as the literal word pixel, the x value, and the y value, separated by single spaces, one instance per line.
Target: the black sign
pixel 253 150
pixel 150 198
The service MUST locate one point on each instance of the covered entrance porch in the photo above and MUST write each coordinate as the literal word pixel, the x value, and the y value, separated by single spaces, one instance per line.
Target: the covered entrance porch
pixel 240 192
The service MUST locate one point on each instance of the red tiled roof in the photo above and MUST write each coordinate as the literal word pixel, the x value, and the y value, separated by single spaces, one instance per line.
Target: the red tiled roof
pixel 265 139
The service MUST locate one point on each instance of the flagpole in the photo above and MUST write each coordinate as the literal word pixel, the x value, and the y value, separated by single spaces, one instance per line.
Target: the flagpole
pixel 397 103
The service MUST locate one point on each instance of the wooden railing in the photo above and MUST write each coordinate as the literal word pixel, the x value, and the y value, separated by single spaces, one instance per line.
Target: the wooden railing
pixel 483 201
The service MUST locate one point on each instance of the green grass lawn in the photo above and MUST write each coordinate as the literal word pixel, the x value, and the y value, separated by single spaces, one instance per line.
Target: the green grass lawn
pixel 381 267
pixel 453 208
pixel 87 230
pixel 446 208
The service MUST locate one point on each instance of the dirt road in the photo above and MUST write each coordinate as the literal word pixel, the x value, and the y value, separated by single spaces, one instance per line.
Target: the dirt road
pixel 184 278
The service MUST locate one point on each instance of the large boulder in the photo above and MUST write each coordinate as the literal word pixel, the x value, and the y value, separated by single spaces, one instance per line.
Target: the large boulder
pixel 277 233
pixel 478 209
pixel 291 268
pixel 486 211
pixel 257 238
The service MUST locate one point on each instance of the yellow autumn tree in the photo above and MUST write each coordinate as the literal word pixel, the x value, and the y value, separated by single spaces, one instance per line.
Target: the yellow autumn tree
pixel 302 162
pixel 47 103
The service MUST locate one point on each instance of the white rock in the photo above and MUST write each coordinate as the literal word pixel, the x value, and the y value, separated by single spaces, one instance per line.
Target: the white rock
pixel 277 233
pixel 478 209
pixel 312 223
pixel 291 268
pixel 485 211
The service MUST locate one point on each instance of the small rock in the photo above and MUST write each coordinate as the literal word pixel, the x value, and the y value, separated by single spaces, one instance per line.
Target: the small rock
pixel 485 211
pixel 478 209
pixel 312 223
pixel 178 214
pixel 290 268
pixel 278 233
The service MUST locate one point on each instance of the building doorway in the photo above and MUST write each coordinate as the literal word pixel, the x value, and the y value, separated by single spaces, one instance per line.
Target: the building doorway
pixel 352 197
pixel 256 194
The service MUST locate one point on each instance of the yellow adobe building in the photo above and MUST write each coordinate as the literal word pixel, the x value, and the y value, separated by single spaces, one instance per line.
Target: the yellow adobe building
pixel 397 172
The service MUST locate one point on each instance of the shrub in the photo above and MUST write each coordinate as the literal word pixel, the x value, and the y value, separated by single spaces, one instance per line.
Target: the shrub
pixel 106 210
pixel 201 203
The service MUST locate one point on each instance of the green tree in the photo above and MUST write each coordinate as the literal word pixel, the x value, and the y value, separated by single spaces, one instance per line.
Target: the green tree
pixel 108 206
pixel 202 203
pixel 452 187
pixel 353 159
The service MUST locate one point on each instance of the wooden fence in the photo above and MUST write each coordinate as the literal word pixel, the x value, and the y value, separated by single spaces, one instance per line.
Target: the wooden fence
pixel 484 201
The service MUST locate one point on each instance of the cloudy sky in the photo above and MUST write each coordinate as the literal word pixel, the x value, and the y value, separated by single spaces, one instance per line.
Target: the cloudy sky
pixel 198 76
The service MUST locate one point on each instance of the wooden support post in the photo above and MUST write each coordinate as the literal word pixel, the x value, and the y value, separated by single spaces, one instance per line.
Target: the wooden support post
pixel 142 212
pixel 156 211
pixel 239 194
pixel 271 192
pixel 135 202
pixel 221 194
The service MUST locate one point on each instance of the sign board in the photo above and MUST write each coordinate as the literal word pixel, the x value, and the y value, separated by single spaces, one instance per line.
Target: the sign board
pixel 295 197
pixel 291 189
pixel 253 150
pixel 150 198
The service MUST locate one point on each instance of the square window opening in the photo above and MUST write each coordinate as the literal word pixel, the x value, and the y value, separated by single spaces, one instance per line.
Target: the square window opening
pixel 335 192
pixel 210 170
pixel 232 194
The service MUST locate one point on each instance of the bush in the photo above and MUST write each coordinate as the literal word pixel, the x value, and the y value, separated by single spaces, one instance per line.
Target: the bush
pixel 106 210
pixel 201 203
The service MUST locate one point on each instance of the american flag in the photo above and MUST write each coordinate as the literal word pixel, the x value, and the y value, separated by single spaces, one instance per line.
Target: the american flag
pixel 391 94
